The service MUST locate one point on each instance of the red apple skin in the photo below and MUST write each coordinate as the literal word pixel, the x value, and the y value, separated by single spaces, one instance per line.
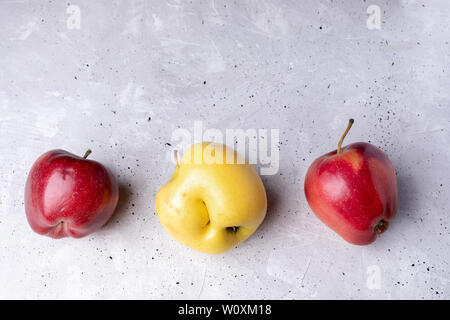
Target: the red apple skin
pixel 69 196
pixel 353 191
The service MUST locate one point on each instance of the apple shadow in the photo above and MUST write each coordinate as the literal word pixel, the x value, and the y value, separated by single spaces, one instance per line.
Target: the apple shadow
pixel 407 200
pixel 125 194
pixel 273 202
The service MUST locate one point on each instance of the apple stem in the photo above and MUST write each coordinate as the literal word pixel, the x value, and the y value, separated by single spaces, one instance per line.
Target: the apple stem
pixel 350 123
pixel 175 155
pixel 88 152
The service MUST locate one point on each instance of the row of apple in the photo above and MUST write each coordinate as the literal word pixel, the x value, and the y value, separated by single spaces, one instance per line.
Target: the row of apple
pixel 211 207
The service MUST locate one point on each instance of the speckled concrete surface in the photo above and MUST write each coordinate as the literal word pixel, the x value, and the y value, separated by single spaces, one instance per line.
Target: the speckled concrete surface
pixel 134 71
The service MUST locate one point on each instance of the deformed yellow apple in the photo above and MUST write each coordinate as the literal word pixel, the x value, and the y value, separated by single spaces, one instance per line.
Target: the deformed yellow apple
pixel 214 200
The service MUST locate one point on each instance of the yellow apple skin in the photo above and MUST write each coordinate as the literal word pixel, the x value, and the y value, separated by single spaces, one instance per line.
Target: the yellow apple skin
pixel 202 202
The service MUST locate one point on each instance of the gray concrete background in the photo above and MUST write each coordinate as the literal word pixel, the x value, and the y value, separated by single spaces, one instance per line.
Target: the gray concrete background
pixel 303 67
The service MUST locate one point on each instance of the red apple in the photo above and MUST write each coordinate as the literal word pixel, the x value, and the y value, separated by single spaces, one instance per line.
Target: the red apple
pixel 69 196
pixel 353 191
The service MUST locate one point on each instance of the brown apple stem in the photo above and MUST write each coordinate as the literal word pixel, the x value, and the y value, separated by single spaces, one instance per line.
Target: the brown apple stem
pixel 175 155
pixel 88 152
pixel 350 123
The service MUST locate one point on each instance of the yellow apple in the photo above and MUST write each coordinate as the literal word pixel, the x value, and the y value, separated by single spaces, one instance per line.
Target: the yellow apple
pixel 210 204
